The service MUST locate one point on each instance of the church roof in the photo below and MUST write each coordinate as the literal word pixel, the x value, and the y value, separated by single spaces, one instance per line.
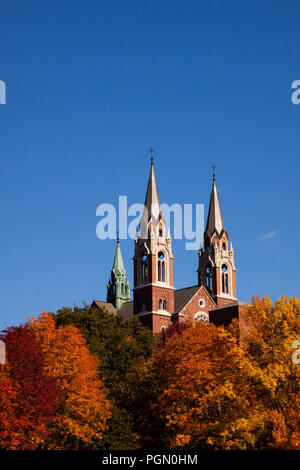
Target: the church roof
pixel 214 218
pixel 126 310
pixel 183 296
pixel 104 305
pixel 235 303
pixel 224 315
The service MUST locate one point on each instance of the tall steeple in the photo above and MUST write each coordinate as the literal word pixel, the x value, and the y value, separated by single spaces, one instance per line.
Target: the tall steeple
pixel 152 203
pixel 153 264
pixel 118 265
pixel 216 269
pixel 214 219
pixel 118 287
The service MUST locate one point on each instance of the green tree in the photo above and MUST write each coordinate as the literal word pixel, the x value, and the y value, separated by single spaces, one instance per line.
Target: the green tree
pixel 121 346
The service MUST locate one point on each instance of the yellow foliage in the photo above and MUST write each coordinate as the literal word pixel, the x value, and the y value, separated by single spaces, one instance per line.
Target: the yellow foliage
pixel 225 390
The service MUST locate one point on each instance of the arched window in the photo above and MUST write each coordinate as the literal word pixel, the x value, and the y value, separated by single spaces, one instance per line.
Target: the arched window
pixel 160 232
pixel 201 316
pixel 163 332
pixel 160 304
pixel 224 246
pixel 161 267
pixel 145 269
pixel 208 275
pixel 122 288
pixel 224 279
pixel 164 305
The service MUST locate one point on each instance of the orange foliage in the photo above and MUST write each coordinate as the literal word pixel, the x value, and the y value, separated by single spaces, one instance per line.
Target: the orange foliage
pixel 236 388
pixel 286 425
pixel 208 400
pixel 85 408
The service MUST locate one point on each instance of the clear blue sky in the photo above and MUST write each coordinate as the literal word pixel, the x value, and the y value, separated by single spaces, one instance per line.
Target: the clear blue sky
pixel 91 85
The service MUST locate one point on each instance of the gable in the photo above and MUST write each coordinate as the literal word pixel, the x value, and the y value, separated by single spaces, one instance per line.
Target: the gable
pixel 199 302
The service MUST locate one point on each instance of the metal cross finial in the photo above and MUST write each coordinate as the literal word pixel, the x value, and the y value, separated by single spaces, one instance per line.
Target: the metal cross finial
pixel 118 238
pixel 151 151
pixel 213 167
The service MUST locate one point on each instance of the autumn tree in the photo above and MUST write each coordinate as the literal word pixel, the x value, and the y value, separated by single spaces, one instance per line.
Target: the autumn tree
pixel 231 389
pixel 267 333
pixel 203 387
pixel 176 327
pixel 120 346
pixel 140 398
pixel 85 409
pixel 207 399
pixel 29 398
pixel 12 427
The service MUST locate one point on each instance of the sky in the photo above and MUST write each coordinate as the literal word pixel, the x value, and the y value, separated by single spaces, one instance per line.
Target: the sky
pixel 92 85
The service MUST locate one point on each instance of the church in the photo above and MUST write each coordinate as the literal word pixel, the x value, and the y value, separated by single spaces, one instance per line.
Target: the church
pixel 155 300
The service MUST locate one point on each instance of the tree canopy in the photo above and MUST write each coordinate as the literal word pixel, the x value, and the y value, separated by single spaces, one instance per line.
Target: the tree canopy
pixel 87 379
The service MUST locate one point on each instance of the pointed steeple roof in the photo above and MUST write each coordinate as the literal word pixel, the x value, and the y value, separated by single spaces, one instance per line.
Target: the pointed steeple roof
pixel 118 261
pixel 214 218
pixel 118 287
pixel 152 202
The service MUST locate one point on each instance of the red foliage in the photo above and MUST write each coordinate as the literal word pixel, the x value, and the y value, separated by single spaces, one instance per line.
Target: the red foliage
pixel 11 428
pixel 176 328
pixel 35 395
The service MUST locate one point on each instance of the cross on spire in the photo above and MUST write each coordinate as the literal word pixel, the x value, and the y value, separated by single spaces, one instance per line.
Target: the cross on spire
pixel 213 167
pixel 152 203
pixel 151 152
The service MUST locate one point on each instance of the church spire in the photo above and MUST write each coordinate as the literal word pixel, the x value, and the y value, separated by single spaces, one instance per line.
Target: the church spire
pixel 153 291
pixel 214 218
pixel 118 287
pixel 152 203
pixel 216 269
pixel 118 261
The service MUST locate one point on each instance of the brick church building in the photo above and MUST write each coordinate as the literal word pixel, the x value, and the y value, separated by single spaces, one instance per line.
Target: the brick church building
pixel 155 300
